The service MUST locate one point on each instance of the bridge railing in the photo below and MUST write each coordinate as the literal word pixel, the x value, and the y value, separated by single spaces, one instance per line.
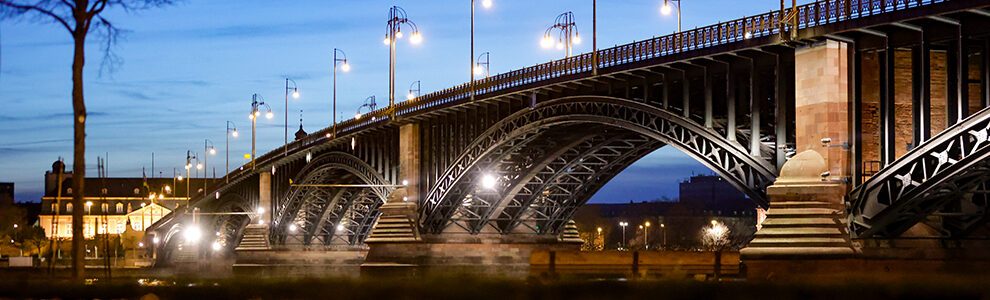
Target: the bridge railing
pixel 763 25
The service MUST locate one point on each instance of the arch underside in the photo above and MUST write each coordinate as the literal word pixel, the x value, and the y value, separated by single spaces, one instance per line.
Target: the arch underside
pixel 948 175
pixel 314 213
pixel 551 159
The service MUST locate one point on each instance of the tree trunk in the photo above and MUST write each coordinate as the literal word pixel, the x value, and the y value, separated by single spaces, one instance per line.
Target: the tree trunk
pixel 79 155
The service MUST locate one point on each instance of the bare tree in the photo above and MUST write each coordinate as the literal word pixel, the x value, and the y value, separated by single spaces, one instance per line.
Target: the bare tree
pixel 79 18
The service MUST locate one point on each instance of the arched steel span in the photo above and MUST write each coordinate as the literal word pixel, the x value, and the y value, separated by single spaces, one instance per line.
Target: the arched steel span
pixel 749 174
pixel 229 227
pixel 309 209
pixel 952 166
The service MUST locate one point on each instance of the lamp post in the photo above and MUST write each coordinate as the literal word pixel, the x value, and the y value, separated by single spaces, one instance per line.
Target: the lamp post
pixel 486 4
pixel 623 224
pixel 208 150
pixel 255 104
pixel 646 235
pixel 294 90
pixel 665 9
pixel 412 95
pixel 231 131
pixel 567 33
pixel 370 104
pixel 600 237
pixel 482 67
pixel 189 158
pixel 396 17
pixel 594 37
pixel 344 67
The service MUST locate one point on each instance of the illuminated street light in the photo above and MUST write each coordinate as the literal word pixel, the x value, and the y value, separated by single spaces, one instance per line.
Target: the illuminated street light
pixel 344 67
pixel 155 240
pixel 189 158
pixel 231 132
pixel 474 71
pixel 482 67
pixel 413 92
pixel 567 33
pixel 666 8
pixel 396 17
pixel 217 246
pixel 255 104
pixel 646 235
pixel 294 91
pixel 623 224
pixel 292 227
pixel 261 210
pixel 369 103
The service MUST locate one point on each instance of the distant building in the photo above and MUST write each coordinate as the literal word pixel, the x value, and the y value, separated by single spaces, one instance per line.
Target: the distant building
pixel 6 193
pixel 673 224
pixel 715 197
pixel 112 203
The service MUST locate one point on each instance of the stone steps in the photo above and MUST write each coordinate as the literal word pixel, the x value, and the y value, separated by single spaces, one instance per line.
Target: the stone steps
pixel 255 238
pixel 395 228
pixel 802 222
pixel 799 242
pixel 805 204
pixel 798 232
pixel 803 213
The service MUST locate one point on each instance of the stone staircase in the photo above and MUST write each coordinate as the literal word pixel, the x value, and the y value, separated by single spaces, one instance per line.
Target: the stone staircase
pixel 570 233
pixel 186 253
pixel 802 228
pixel 255 238
pixel 396 224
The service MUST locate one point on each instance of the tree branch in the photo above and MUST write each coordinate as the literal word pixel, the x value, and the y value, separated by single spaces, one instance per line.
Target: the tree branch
pixel 25 8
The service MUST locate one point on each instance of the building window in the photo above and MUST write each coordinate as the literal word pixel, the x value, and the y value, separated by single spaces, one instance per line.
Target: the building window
pixel 54 208
pixel 68 207
pixel 88 209
pixel 120 208
pixel 68 191
pixel 104 208
pixel 104 191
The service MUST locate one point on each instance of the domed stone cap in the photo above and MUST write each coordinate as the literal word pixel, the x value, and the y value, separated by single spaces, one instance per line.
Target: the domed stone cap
pixel 805 167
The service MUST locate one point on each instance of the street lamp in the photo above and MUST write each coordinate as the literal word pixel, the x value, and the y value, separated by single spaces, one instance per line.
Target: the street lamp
pixel 646 235
pixel 482 68
pixel 294 91
pixel 396 17
pixel 486 4
pixel 255 104
pixel 231 131
pixel 370 104
pixel 600 237
pixel 411 94
pixel 623 224
pixel 189 158
pixel 567 33
pixel 208 150
pixel 344 67
pixel 666 8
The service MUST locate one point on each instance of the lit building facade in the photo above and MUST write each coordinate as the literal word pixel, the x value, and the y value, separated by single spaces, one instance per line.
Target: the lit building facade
pixel 110 204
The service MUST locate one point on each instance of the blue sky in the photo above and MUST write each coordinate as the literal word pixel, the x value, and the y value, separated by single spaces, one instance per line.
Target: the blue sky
pixel 189 68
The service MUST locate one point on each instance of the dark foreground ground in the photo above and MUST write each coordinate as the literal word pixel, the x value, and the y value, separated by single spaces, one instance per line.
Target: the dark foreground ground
pixel 461 287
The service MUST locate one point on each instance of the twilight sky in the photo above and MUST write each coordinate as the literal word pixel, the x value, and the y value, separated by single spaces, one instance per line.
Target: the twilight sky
pixel 189 68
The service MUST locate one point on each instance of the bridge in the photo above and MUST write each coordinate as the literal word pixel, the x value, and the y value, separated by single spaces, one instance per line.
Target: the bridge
pixel 878 106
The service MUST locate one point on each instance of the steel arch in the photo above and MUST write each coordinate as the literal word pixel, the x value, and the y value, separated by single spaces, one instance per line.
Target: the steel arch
pixel 749 174
pixel 953 165
pixel 308 206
